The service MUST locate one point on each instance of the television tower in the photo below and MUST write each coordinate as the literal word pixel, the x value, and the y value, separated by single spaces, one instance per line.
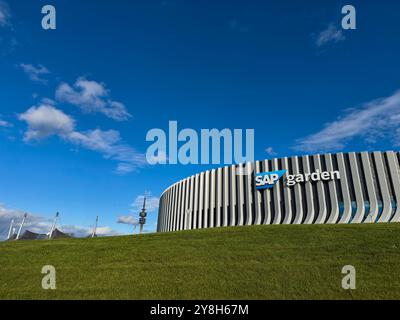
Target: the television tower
pixel 53 225
pixel 143 214
pixel 21 226
pixel 95 227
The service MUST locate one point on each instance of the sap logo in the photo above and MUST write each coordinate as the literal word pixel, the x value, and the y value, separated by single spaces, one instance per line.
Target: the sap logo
pixel 266 180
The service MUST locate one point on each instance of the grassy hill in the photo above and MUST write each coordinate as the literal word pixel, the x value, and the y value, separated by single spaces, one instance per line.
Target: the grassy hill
pixel 255 262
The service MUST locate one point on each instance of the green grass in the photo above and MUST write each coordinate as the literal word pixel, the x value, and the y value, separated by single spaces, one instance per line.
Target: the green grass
pixel 255 262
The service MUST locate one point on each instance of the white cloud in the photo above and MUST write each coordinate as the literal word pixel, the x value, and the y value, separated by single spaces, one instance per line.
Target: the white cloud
pixel 92 97
pixel 39 224
pixel 106 231
pixel 46 120
pixel 372 121
pixel 110 145
pixel 330 34
pixel 8 41
pixel 151 203
pixel 35 73
pixel 4 13
pixel 128 220
pixel 270 151
pixel 5 124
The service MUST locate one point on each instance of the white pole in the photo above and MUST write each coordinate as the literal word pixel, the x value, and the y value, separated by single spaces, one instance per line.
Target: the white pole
pixel 95 227
pixel 53 225
pixel 10 230
pixel 21 226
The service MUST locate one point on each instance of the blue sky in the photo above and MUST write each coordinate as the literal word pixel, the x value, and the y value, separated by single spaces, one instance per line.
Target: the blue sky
pixel 113 70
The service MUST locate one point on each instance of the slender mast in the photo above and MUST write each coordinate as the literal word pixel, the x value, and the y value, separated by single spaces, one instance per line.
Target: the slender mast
pixel 95 227
pixel 53 225
pixel 11 229
pixel 21 226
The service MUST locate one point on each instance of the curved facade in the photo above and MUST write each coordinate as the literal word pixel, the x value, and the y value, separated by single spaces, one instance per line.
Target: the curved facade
pixel 329 188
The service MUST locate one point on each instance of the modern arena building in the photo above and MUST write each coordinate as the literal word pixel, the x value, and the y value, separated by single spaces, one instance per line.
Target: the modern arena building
pixel 328 188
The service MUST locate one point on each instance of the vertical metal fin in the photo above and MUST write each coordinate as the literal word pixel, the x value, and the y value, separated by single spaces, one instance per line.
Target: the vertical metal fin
pixel 360 211
pixel 383 185
pixel 309 193
pixel 287 218
pixel 190 216
pixel 249 193
pixel 219 197
pixel 178 206
pixel 257 195
pixel 206 199
pixel 334 201
pixel 187 210
pixel 240 185
pixel 322 212
pixel 298 194
pixel 346 216
pixel 212 199
pixel 233 195
pixel 372 197
pixel 277 196
pixel 183 207
pixel 394 174
pixel 226 195
pixel 267 198
pixel 196 200
pixel 201 202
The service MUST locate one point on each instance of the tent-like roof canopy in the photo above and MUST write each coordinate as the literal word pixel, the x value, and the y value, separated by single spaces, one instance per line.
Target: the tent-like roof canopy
pixel 28 235
pixel 57 234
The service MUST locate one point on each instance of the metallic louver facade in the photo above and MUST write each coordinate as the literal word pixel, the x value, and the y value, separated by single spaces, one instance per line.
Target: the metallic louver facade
pixel 368 191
